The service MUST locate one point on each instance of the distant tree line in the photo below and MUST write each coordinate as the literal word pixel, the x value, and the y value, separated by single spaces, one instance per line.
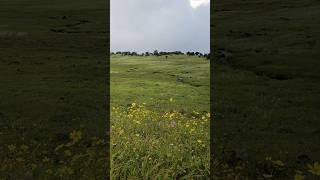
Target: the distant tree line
pixel 161 53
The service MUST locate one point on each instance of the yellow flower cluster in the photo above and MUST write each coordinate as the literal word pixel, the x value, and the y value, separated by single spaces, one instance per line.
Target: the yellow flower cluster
pixel 71 160
pixel 146 137
pixel 314 168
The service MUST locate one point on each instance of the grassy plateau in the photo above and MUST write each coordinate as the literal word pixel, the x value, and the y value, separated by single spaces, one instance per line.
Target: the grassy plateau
pixel 160 117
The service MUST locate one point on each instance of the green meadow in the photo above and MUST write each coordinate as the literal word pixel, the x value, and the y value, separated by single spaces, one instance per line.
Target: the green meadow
pixel 160 117
pixel 53 104
pixel 154 80
pixel 266 88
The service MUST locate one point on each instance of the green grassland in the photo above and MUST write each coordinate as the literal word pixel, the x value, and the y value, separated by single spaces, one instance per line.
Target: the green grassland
pixel 154 80
pixel 160 117
pixel 266 92
pixel 53 81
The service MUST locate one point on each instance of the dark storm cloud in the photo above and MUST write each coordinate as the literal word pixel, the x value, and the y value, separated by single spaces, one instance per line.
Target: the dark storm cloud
pixel 165 25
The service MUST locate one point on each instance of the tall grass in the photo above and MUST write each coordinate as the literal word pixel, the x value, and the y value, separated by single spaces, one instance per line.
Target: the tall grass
pixel 78 157
pixel 149 144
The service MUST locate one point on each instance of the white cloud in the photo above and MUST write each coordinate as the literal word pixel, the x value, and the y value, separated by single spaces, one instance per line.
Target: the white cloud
pixel 196 3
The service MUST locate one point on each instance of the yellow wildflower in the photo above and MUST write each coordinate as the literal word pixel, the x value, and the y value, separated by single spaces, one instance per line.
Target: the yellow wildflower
pixel 314 169
pixel 24 147
pixel 278 162
pixel 138 122
pixel 11 147
pixel 75 136
pixel 195 112
pixel 121 131
pixel 299 176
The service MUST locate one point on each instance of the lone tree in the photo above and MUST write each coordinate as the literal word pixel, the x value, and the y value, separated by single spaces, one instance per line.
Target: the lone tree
pixel 156 53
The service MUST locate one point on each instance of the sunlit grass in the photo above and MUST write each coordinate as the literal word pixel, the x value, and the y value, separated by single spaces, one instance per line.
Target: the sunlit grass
pixel 145 143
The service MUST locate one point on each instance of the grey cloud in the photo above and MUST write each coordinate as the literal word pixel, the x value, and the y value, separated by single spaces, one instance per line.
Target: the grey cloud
pixel 165 25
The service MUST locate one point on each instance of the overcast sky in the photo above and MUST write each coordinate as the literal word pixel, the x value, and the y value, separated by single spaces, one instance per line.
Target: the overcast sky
pixel 165 25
